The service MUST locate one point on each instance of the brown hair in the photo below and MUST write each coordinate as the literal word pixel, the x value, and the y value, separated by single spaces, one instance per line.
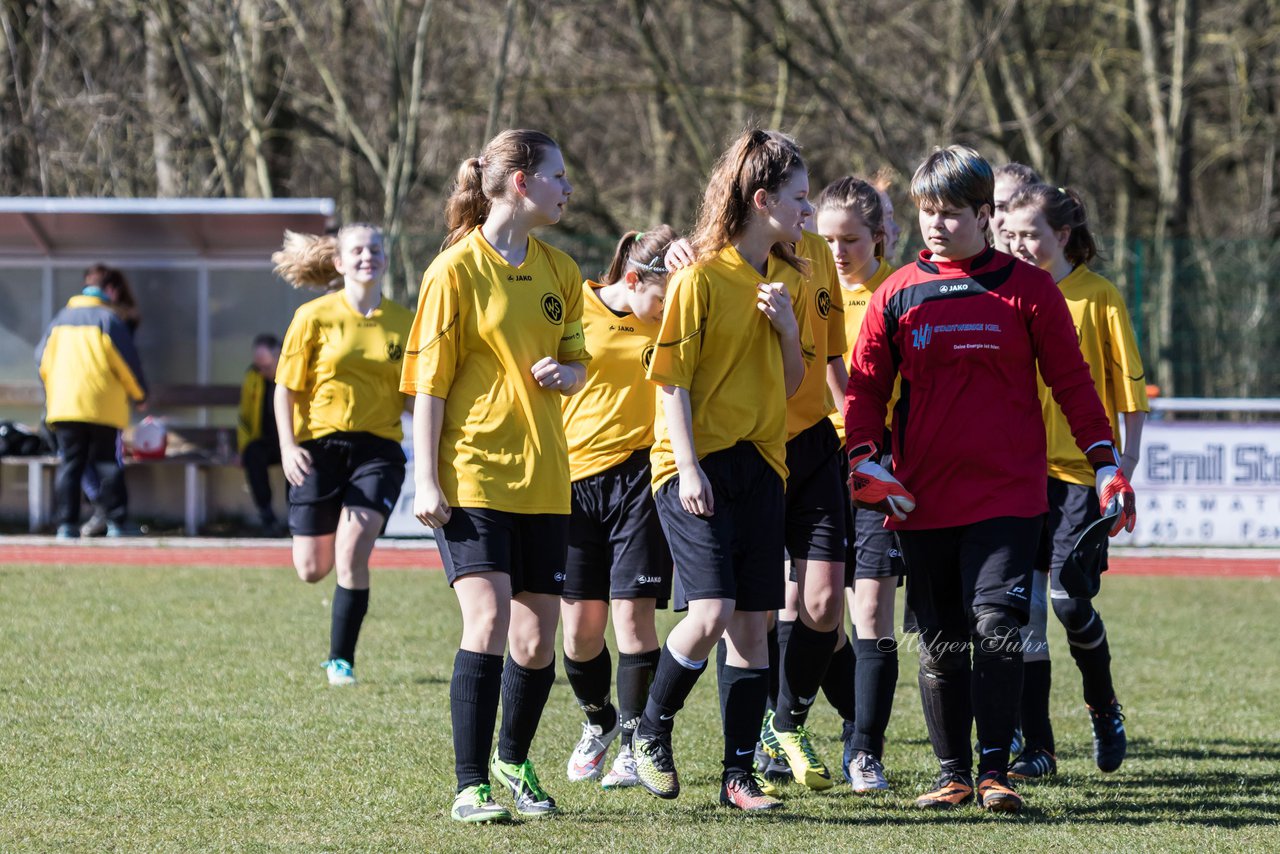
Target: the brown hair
pixel 861 197
pixel 124 303
pixel 1020 173
pixel 644 250
pixel 757 160
pixel 482 179
pixel 1062 208
pixel 954 177
pixel 306 260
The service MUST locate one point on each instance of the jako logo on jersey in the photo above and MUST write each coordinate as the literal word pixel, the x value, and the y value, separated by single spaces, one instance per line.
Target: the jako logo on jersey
pixel 648 579
pixel 394 351
pixel 646 357
pixel 824 303
pixel 552 308
pixel 946 289
pixel 921 337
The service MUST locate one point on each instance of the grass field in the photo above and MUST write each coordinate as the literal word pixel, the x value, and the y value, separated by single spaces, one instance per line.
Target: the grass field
pixel 184 709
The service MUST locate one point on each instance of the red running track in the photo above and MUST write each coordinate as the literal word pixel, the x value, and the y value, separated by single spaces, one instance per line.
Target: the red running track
pixel 428 558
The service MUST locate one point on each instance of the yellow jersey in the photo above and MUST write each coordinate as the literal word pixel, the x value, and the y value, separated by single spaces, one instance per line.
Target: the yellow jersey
pixel 345 367
pixel 715 343
pixel 612 417
pixel 855 301
pixel 812 401
pixel 481 326
pixel 1109 347
pixel 89 365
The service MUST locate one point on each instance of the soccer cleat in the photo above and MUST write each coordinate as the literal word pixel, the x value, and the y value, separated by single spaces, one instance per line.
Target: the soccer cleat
pixel 95 527
pixel 475 805
pixel 741 790
pixel 953 789
pixel 867 774
pixel 623 773
pixel 522 780
pixel 1109 741
pixel 762 758
pixel 340 671
pixel 68 532
pixel 797 747
pixel 655 766
pixel 995 794
pixel 587 760
pixel 1033 764
pixel 777 772
pixel 117 530
pixel 769 787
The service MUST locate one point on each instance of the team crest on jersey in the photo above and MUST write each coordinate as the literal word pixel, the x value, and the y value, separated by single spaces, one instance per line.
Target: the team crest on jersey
pixel 824 303
pixel 394 351
pixel 553 308
pixel 646 357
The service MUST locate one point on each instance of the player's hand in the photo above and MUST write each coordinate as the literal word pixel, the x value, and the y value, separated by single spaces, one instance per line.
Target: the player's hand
pixel 695 493
pixel 774 300
pixel 679 255
pixel 1115 494
pixel 296 462
pixel 429 505
pixel 872 487
pixel 551 374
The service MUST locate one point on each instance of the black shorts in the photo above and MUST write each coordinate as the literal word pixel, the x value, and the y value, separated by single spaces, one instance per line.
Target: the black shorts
pixel 616 546
pixel 530 547
pixel 951 571
pixel 737 553
pixel 347 470
pixel 815 495
pixel 1072 508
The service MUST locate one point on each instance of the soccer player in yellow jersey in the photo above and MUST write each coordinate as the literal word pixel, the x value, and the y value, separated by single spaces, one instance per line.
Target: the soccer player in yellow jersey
pixel 1047 226
pixel 734 341
pixel 496 343
pixel 619 563
pixel 337 412
pixel 1010 178
pixel 864 671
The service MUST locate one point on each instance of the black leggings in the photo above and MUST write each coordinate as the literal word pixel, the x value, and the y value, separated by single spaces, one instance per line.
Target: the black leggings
pixel 81 445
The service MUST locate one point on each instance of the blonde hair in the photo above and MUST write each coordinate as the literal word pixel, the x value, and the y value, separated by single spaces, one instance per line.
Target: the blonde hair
pixel 306 260
pixel 482 179
pixel 954 177
pixel 757 160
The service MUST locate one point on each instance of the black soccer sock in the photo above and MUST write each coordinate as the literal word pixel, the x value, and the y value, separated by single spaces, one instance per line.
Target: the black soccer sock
pixel 672 684
pixel 1092 653
pixel 473 710
pixel 742 699
pixel 804 663
pixel 775 661
pixel 997 680
pixel 349 608
pixel 1037 729
pixel 635 675
pixel 839 681
pixel 945 687
pixel 524 695
pixel 877 678
pixel 589 681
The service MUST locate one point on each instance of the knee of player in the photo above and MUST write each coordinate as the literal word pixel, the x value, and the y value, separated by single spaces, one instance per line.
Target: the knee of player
pixel 997 629
pixel 825 616
pixel 582 646
pixel 313 568
pixel 533 649
pixel 709 617
pixel 1074 614
pixel 941 656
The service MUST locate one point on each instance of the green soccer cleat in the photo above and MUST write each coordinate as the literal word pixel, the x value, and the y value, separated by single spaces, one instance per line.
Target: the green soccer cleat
pixel 475 805
pixel 655 766
pixel 522 780
pixel 797 748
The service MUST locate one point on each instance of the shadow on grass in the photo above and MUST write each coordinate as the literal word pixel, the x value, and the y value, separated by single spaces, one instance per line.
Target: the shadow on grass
pixel 1206 749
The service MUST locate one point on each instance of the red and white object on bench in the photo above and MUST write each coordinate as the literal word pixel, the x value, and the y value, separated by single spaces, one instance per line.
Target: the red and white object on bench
pixel 150 439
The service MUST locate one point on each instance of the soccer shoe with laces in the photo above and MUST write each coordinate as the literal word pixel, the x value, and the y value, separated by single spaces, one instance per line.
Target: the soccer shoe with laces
pixel 995 794
pixel 339 671
pixel 952 791
pixel 587 760
pixel 623 773
pixel 1033 764
pixel 741 790
pixel 797 748
pixel 522 780
pixel 1109 741
pixel 655 766
pixel 866 774
pixel 475 805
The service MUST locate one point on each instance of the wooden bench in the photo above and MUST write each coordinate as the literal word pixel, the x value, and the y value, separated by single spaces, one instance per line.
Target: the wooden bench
pixel 192 447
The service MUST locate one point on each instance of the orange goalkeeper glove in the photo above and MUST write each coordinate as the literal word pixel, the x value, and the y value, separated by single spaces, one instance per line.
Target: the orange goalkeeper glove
pixel 1115 495
pixel 871 487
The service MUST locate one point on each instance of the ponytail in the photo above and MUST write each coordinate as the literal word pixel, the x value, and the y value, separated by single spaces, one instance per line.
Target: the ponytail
pixel 467 206
pixel 482 179
pixel 643 251
pixel 1062 208
pixel 306 261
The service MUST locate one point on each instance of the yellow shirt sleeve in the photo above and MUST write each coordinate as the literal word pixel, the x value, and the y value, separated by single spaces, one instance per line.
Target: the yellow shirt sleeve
pixel 684 321
pixel 434 345
pixel 1128 377
pixel 296 368
pixel 573 343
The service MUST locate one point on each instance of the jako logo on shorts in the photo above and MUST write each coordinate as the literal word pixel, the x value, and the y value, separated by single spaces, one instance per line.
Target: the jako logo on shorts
pixel 921 337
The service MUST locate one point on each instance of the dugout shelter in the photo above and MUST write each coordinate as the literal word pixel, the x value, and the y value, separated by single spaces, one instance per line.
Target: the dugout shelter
pixel 201 273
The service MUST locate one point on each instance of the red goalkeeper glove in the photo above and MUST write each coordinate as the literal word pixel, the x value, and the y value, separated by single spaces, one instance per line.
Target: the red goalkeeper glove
pixel 1115 495
pixel 871 487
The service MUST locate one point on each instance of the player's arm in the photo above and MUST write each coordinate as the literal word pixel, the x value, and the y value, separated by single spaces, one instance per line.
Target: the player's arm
pixel 294 459
pixel 1133 424
pixel 695 490
pixel 837 378
pixel 566 377
pixel 774 301
pixel 429 504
